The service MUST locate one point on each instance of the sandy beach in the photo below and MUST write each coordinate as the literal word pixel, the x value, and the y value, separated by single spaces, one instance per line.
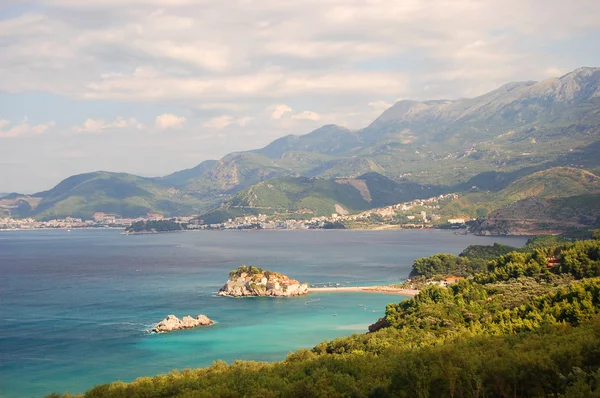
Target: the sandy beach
pixel 374 289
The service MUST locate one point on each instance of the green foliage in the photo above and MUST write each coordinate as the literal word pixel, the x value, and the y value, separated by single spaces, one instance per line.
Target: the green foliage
pixel 446 264
pixel 250 270
pixel 334 225
pixel 481 213
pixel 580 259
pixel 485 252
pixel 540 241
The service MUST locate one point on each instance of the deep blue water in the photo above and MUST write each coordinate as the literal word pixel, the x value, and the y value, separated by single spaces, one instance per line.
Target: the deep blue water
pixel 74 306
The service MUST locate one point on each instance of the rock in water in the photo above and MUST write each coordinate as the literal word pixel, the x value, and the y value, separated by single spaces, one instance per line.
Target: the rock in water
pixel 172 323
pixel 253 281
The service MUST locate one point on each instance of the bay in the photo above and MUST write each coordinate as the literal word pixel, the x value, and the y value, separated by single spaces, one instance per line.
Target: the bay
pixel 75 305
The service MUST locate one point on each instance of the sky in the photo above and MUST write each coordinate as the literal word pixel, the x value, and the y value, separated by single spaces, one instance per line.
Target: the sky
pixel 154 86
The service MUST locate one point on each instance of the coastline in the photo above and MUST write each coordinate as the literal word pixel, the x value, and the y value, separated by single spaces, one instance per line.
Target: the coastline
pixel 369 289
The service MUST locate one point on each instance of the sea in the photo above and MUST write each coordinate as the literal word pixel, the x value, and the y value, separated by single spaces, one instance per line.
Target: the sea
pixel 75 306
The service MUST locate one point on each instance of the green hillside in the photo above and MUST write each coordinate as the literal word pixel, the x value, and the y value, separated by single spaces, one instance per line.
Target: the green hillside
pixel 537 216
pixel 114 193
pixel 297 196
pixel 303 197
pixel 558 182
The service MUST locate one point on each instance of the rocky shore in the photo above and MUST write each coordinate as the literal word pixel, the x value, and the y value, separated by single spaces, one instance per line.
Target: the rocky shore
pixel 253 281
pixel 171 323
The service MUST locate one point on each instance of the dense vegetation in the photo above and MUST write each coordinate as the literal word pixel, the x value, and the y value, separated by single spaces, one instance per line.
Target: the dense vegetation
pixel 515 329
pixel 475 258
pixel 486 252
pixel 154 226
pixel 247 269
pixel 334 225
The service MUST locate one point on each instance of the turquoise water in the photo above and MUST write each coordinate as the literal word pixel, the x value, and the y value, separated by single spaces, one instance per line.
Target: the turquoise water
pixel 74 306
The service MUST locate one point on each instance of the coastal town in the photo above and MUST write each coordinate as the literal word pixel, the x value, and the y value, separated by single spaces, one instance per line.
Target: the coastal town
pixel 420 213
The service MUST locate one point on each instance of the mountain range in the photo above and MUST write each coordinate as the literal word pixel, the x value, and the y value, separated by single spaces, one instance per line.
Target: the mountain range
pixel 415 149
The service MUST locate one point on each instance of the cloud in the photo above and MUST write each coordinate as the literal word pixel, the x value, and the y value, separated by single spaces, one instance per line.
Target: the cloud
pixel 306 115
pixel 99 125
pixel 158 50
pixel 169 121
pixel 277 111
pixel 219 122
pixel 23 129
pixel 380 106
pixel 243 121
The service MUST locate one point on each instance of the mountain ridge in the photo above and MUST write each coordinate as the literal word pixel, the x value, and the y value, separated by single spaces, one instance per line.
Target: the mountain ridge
pixel 490 140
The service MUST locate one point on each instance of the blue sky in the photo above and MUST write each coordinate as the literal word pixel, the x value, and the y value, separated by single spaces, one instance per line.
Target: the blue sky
pixel 154 86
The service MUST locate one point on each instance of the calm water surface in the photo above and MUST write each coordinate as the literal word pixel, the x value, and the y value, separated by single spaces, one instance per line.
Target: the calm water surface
pixel 74 306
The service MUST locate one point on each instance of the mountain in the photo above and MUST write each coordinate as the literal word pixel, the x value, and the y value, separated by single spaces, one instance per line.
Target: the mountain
pixel 180 178
pixel 487 142
pixel 328 140
pixel 299 197
pixel 114 193
pixel 535 215
pixel 17 205
pixel 541 187
pixel 519 126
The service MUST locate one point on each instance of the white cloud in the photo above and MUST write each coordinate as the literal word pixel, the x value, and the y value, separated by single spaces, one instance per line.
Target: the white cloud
pixel 23 129
pixel 203 51
pixel 306 115
pixel 380 106
pixel 243 121
pixel 155 50
pixel 99 125
pixel 277 111
pixel 553 71
pixel 219 122
pixel 169 121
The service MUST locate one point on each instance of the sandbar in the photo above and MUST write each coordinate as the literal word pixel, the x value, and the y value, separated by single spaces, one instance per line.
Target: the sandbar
pixel 373 289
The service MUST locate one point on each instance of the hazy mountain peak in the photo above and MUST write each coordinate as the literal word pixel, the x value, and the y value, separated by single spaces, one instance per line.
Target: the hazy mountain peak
pixel 578 85
pixel 328 139
pixel 403 109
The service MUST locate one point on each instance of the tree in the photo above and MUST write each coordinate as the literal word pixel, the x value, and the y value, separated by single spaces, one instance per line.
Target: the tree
pixel 481 213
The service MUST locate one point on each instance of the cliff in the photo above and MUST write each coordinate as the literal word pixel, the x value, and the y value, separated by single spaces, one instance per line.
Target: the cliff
pixel 253 281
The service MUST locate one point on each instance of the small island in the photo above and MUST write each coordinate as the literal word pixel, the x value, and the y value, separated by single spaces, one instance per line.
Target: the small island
pixel 152 227
pixel 254 281
pixel 171 323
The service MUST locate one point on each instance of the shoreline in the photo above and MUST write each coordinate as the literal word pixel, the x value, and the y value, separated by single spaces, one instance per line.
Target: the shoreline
pixel 368 289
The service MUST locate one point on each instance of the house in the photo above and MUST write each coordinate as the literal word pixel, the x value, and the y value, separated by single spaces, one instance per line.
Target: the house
pixel 552 261
pixel 445 282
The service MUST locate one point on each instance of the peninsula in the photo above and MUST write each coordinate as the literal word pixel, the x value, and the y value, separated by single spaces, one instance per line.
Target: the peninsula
pixel 254 281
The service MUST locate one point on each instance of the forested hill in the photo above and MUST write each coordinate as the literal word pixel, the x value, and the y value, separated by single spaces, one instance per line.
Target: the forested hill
pixel 528 324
